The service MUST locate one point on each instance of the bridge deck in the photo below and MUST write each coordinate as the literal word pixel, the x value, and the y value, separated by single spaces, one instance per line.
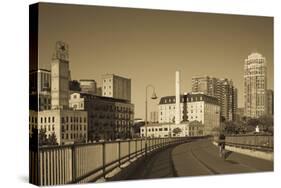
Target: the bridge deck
pixel 197 158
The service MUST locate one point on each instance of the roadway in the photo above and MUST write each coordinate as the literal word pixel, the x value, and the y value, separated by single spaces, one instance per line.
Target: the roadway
pixel 197 158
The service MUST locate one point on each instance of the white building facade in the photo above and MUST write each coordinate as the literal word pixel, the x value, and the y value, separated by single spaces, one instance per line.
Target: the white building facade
pixel 116 87
pixel 69 126
pixel 172 130
pixel 193 107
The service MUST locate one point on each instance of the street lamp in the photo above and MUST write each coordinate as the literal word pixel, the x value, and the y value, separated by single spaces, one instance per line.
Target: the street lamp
pixel 153 96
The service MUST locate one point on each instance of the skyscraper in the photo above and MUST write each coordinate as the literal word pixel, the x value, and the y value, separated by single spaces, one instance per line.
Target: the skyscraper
pixel 222 89
pixel 270 102
pixel 255 85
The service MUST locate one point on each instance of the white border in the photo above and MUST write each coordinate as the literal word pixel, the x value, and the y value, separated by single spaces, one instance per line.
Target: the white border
pixel 14 89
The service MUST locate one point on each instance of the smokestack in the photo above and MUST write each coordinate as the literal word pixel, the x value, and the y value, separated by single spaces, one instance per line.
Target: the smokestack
pixel 178 107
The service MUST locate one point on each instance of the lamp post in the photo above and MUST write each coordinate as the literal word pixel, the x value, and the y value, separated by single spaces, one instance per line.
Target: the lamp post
pixel 152 97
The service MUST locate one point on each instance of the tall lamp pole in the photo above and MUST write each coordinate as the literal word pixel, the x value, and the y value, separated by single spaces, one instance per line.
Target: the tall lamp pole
pixel 152 97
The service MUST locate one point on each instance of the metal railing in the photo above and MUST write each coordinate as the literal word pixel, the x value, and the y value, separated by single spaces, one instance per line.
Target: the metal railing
pixel 81 163
pixel 257 142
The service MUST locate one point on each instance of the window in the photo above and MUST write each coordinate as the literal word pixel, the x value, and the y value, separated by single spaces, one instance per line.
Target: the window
pixel 41 120
pixel 165 129
pixel 53 119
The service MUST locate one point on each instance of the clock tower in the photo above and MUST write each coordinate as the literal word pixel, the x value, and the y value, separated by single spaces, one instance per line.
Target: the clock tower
pixel 60 77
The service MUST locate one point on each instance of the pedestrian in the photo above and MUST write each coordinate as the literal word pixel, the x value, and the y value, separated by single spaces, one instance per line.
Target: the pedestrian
pixel 222 145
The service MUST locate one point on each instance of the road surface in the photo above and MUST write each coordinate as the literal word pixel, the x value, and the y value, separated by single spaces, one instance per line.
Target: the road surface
pixel 197 158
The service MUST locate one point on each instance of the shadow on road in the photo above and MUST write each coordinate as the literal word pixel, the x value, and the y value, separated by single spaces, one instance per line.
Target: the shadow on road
pixel 157 165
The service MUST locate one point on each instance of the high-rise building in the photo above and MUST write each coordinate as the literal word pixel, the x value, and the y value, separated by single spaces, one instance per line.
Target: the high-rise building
pixel 255 86
pixel 270 102
pixel 222 89
pixel 204 84
pixel 40 90
pixel 116 86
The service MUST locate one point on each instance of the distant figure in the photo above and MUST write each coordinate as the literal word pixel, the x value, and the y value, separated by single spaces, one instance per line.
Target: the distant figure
pixel 221 144
pixel 257 129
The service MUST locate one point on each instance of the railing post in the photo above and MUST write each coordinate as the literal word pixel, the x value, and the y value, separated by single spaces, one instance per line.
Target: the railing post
pixel 73 162
pixel 103 159
pixel 141 146
pixel 119 153
pixel 136 147
pixel 129 149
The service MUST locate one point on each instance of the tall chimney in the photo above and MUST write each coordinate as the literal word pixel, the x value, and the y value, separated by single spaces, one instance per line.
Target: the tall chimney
pixel 178 107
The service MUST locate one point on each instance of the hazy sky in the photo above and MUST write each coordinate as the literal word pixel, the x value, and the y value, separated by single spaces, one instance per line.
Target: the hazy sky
pixel 148 46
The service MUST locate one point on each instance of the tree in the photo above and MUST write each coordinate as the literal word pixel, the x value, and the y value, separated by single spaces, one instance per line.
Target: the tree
pixel 176 130
pixel 266 123
pixel 43 140
pixel 52 140
pixel 231 128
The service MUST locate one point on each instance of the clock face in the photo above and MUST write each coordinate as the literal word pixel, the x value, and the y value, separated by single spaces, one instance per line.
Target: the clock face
pixel 61 51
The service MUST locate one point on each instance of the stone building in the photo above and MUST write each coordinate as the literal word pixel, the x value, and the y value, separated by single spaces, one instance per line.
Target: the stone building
pixel 116 87
pixel 108 118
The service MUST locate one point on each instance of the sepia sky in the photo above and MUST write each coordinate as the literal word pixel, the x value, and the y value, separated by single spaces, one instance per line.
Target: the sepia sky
pixel 148 46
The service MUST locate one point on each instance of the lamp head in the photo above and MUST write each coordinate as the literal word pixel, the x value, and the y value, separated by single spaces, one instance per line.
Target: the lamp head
pixel 153 95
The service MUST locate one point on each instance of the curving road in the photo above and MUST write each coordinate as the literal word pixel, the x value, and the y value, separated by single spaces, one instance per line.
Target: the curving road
pixel 197 158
